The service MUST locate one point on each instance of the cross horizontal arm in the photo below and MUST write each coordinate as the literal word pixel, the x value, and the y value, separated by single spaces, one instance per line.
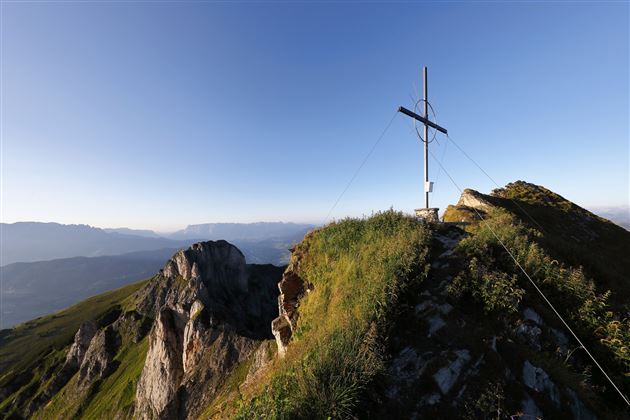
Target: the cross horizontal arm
pixel 421 119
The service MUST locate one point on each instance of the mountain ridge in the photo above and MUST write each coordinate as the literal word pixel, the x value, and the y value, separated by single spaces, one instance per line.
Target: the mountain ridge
pixel 381 316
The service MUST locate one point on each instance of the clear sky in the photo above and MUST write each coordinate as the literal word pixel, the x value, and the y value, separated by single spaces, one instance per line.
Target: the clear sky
pixel 158 115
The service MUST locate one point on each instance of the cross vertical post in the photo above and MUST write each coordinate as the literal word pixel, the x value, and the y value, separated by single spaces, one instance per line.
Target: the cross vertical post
pixel 425 213
pixel 426 138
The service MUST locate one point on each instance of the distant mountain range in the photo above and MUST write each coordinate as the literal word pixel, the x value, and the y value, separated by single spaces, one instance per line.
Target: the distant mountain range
pixel 380 317
pixel 34 289
pixel 49 266
pixel 138 232
pixel 34 241
pixel 243 231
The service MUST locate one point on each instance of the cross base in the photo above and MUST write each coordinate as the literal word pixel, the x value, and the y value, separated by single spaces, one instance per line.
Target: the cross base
pixel 429 215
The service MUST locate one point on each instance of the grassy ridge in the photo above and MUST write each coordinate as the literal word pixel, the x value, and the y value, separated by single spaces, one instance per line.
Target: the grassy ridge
pixel 492 279
pixel 357 269
pixel 31 340
pixel 111 398
pixel 31 352
pixel 574 235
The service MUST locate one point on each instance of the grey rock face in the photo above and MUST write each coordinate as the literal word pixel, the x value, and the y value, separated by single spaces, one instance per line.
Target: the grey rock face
pixel 578 409
pixel 79 347
pixel 212 311
pixel 97 362
pixel 530 315
pixel 163 368
pixel 292 287
pixel 538 380
pixel 471 198
pixel 215 274
pixel 219 263
pixel 447 376
pixel 561 340
pixel 529 334
pixel 530 409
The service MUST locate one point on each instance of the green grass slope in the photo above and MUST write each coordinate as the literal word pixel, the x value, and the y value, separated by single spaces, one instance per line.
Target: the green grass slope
pixel 568 232
pixel 32 352
pixel 112 398
pixel 578 259
pixel 356 270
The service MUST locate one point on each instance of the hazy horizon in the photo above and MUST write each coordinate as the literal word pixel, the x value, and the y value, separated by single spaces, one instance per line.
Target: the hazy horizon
pixel 161 115
pixel 603 211
pixel 140 228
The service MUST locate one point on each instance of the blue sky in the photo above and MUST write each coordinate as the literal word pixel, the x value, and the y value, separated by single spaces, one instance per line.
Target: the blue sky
pixel 159 115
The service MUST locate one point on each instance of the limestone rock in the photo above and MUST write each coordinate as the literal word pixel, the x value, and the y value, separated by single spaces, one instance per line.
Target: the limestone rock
pixel 292 287
pixel 261 358
pixel 163 368
pixel 530 315
pixel 132 325
pixel 538 380
pixel 578 409
pixel 530 409
pixel 194 337
pixel 79 347
pixel 474 199
pixel 529 334
pixel 98 360
pixel 212 312
pixel 446 377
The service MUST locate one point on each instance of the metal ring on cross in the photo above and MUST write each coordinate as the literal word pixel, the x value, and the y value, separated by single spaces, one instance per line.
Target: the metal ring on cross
pixel 416 106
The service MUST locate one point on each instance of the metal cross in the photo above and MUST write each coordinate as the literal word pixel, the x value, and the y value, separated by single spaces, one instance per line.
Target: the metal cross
pixel 427 124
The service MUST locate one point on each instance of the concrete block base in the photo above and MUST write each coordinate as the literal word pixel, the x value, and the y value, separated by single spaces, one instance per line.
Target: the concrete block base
pixel 429 215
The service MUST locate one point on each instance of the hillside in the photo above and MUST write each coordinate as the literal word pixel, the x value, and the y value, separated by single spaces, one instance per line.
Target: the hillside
pixel 262 243
pixel 205 295
pixel 32 241
pixel 382 317
pixel 39 288
pixel 36 288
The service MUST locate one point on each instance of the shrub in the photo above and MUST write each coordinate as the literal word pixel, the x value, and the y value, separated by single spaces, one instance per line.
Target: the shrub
pixel 497 291
pixel 491 272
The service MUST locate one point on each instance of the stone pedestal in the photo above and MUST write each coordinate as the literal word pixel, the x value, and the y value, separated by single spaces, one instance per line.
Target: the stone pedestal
pixel 429 215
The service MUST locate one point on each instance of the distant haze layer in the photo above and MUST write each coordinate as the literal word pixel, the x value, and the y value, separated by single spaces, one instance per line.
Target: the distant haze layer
pixel 34 241
pixel 39 288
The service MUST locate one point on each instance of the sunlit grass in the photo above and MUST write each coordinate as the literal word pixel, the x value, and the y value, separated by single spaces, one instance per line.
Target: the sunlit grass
pixel 357 269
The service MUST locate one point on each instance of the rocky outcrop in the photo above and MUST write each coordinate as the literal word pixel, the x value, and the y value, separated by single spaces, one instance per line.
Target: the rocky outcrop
pixel 192 346
pixel 163 368
pixel 212 311
pixel 447 376
pixel 292 287
pixel 74 360
pixel 261 358
pixel 469 208
pixel 448 361
pixel 80 345
pixel 133 326
pixel 538 380
pixel 473 199
pixel 98 360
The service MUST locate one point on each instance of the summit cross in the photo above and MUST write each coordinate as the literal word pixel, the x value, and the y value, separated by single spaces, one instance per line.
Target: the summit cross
pixel 427 123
